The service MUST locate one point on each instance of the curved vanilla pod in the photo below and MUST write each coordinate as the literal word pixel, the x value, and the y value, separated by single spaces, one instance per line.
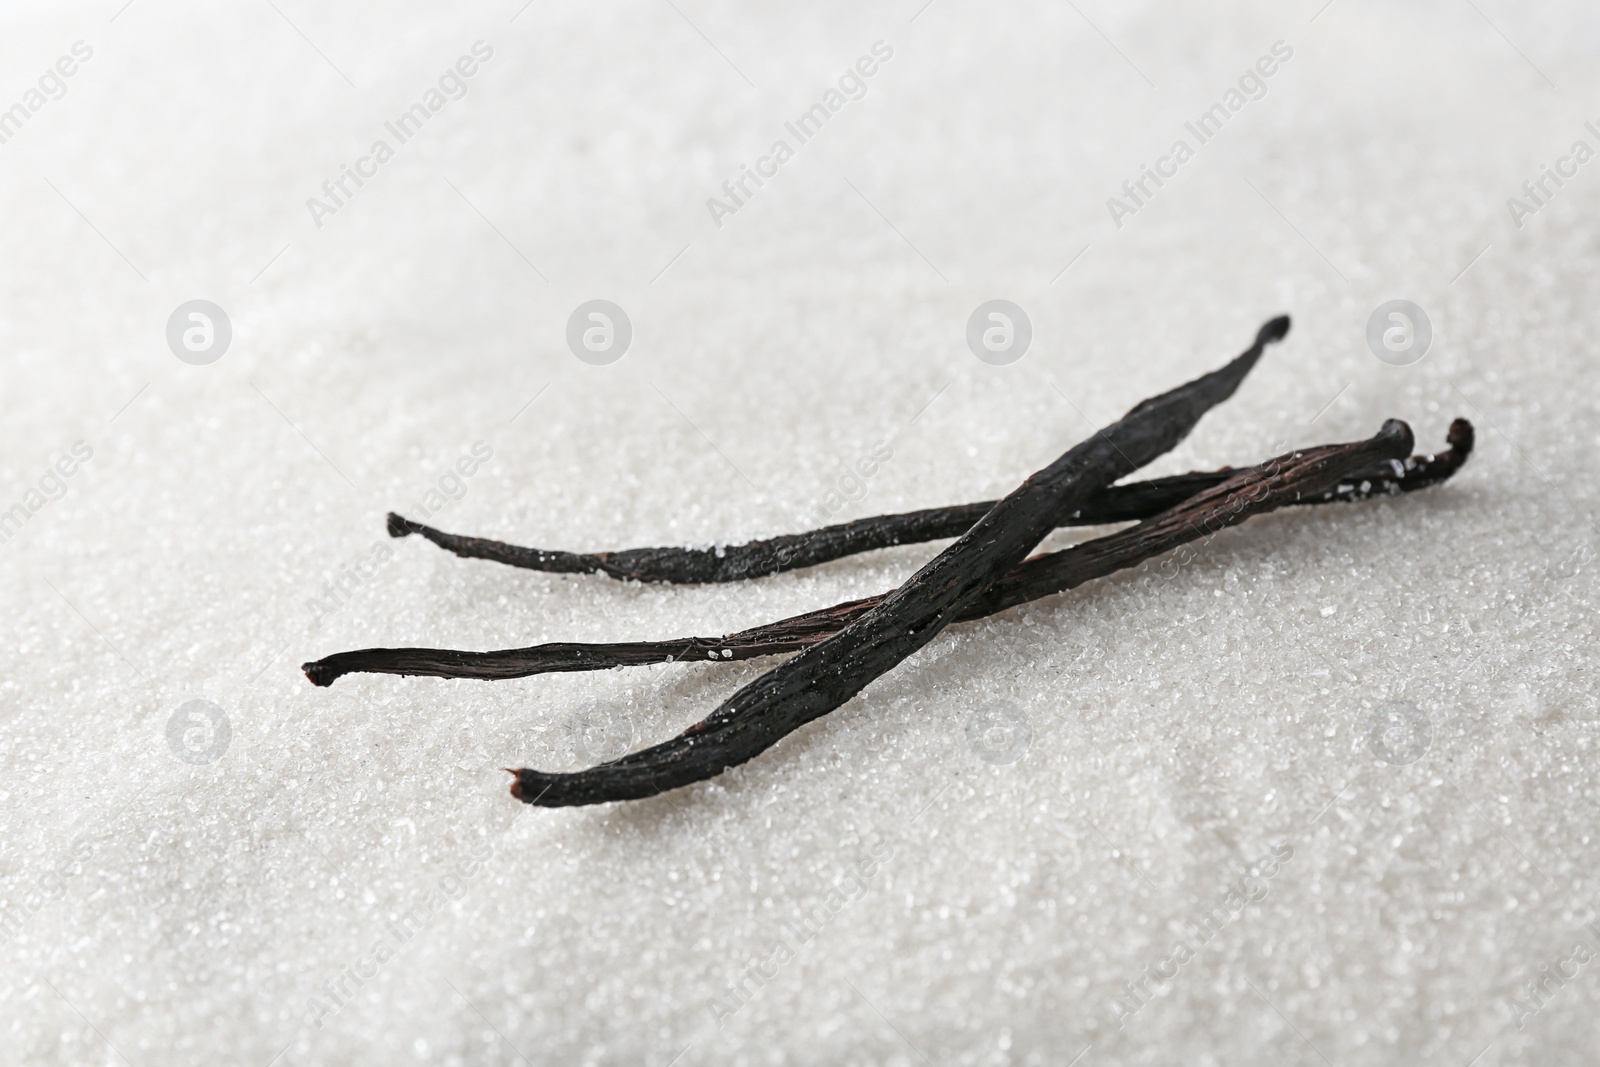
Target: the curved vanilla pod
pixel 829 673
pixel 1271 485
pixel 755 559
pixel 802 631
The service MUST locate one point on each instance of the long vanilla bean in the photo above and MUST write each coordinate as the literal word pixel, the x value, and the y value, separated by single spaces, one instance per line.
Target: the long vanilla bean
pixel 757 559
pixel 801 631
pixel 829 673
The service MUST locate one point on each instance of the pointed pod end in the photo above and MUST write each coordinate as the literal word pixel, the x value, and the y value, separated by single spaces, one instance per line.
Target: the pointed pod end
pixel 1275 330
pixel 1462 437
pixel 399 526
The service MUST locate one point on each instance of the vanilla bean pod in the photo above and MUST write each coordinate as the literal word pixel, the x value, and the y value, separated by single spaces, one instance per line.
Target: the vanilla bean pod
pixel 826 675
pixel 757 559
pixel 1261 489
pixel 801 631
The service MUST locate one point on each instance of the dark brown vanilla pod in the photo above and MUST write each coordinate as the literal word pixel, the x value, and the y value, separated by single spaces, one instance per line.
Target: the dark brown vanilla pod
pixel 829 673
pixel 757 559
pixel 1274 484
pixel 1405 476
pixel 801 631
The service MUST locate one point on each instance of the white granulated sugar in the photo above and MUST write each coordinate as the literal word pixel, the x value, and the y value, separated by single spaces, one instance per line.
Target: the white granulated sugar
pixel 1003 851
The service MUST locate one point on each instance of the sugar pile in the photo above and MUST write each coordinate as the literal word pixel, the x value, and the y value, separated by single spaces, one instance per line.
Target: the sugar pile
pixel 1325 791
